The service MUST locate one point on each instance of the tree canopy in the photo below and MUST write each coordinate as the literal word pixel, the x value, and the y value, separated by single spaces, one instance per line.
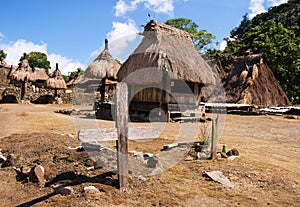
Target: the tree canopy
pixel 38 59
pixel 2 54
pixel 275 33
pixel 202 38
pixel 73 75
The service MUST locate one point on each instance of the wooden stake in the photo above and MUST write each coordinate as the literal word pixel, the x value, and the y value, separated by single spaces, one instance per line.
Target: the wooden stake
pixel 213 140
pixel 122 131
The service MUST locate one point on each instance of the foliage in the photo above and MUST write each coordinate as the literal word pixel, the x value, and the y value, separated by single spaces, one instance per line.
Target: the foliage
pixel 202 38
pixel 275 33
pixel 73 75
pixel 38 59
pixel 2 54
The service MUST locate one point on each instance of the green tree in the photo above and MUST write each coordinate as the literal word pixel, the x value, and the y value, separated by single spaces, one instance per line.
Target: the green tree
pixel 73 75
pixel 202 38
pixel 2 54
pixel 38 59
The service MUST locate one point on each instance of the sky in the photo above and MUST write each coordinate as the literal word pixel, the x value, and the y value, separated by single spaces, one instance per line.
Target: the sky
pixel 72 32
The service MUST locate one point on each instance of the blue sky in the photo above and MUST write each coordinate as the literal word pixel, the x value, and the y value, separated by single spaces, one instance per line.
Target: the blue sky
pixel 72 32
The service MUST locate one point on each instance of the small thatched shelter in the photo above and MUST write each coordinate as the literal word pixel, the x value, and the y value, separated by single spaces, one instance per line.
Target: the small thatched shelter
pixel 103 68
pixel 165 70
pixel 251 81
pixel 56 81
pixel 24 73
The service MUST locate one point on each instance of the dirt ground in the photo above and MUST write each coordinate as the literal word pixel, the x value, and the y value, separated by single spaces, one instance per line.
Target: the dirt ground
pixel 266 173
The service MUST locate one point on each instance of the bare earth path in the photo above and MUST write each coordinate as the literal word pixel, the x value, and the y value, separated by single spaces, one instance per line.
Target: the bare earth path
pixel 266 174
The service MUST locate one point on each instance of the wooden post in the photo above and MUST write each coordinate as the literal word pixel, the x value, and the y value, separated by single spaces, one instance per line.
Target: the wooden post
pixel 122 131
pixel 102 90
pixel 23 89
pixel 213 140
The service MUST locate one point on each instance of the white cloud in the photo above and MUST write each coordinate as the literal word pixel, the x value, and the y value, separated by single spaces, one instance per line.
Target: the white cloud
pixel 157 6
pixel 1 36
pixel 276 2
pixel 223 45
pixel 66 65
pixel 121 37
pixel 256 7
pixel 15 50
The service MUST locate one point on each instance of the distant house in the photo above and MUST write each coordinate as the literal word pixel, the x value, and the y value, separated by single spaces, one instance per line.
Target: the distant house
pixel 251 81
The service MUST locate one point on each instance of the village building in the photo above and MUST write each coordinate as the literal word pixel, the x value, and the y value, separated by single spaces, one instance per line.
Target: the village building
pixel 166 72
pixel 252 82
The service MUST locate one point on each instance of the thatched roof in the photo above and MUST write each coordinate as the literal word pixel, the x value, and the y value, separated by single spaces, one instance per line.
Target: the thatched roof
pixel 104 66
pixel 166 47
pixel 56 81
pixel 25 73
pixel 3 63
pixel 251 81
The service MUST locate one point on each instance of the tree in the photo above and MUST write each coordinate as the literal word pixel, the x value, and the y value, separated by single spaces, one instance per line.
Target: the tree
pixel 202 38
pixel 2 54
pixel 38 59
pixel 73 75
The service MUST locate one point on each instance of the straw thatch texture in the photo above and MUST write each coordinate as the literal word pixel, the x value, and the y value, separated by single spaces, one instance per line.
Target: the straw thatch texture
pixel 251 81
pixel 104 66
pixel 3 63
pixel 56 80
pixel 166 47
pixel 25 73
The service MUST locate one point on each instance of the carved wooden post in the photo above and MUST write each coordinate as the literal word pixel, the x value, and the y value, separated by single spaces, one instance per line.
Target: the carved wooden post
pixel 122 131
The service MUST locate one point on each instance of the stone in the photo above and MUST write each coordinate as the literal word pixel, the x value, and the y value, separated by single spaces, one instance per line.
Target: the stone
pixel 220 178
pixel 223 155
pixel 10 160
pixel 2 158
pixel 142 179
pixel 233 157
pixel 63 190
pixel 189 158
pixel 234 151
pixel 39 172
pixel 91 192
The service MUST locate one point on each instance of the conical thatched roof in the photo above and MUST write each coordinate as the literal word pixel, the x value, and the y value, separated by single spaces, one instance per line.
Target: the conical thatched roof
pixel 166 47
pixel 56 81
pixel 251 81
pixel 25 73
pixel 104 66
pixel 3 63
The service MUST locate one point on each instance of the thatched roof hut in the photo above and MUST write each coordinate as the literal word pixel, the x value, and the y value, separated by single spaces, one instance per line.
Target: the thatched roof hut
pixel 25 73
pixel 251 81
pixel 102 68
pixel 56 81
pixel 166 56
pixel 166 46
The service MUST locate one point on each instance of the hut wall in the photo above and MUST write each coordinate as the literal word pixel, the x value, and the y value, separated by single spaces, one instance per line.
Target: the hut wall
pixel 156 95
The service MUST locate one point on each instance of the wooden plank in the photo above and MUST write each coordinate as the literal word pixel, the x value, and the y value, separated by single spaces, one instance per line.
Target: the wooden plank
pixel 122 131
pixel 110 134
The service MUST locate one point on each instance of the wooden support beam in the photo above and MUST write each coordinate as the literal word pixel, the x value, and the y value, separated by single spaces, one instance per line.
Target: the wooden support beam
pixel 122 130
pixel 102 90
